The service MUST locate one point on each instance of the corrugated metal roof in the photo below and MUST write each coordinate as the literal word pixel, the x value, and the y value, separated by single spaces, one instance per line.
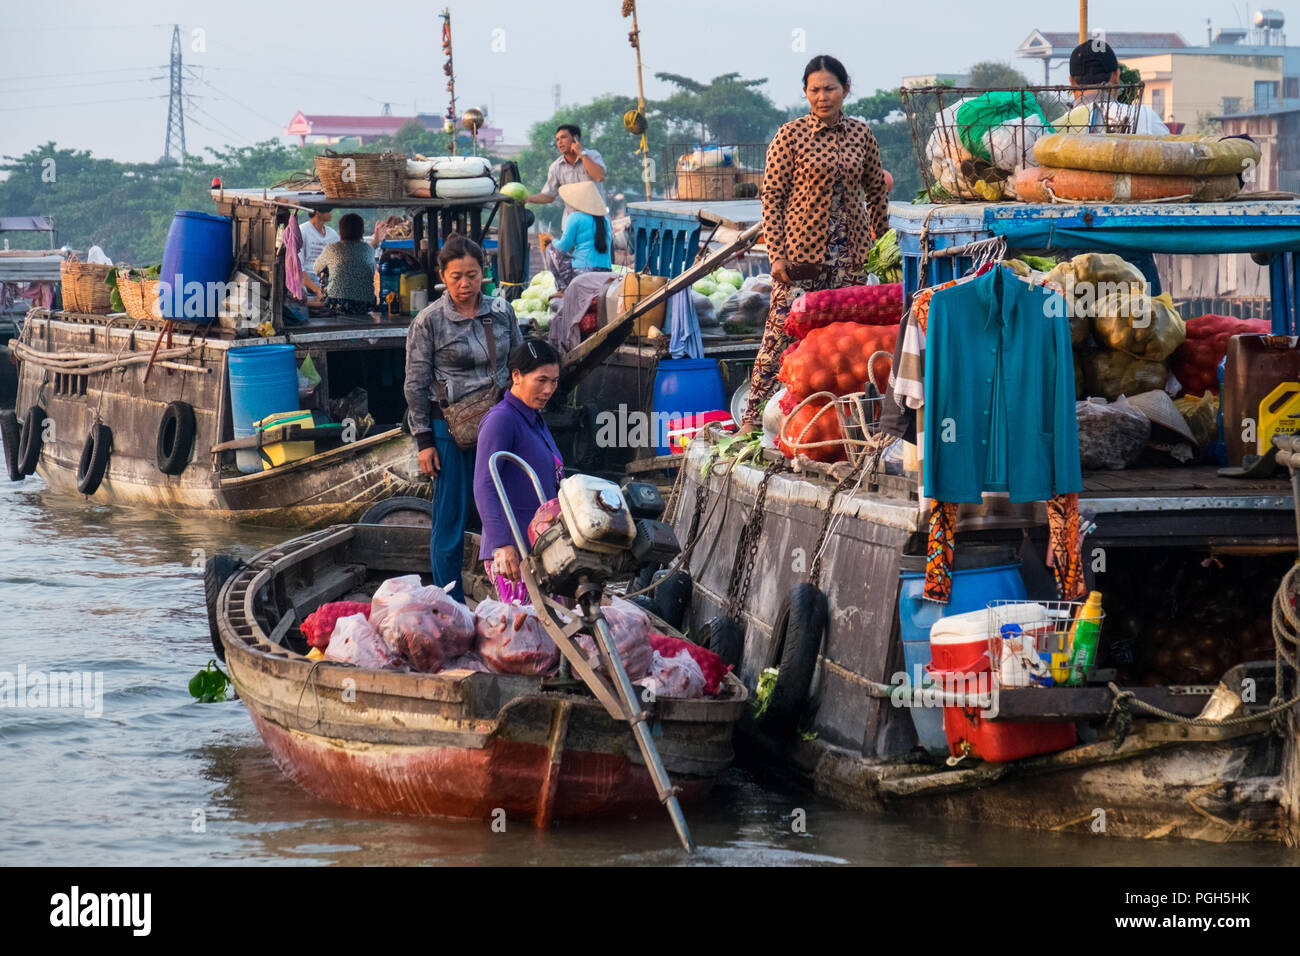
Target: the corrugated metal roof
pixel 26 224
pixel 1120 41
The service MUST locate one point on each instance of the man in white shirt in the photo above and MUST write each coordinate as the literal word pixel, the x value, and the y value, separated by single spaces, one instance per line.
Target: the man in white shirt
pixel 1094 63
pixel 316 235
pixel 575 164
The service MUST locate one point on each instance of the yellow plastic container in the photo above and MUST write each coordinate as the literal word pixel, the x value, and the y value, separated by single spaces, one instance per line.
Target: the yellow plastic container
pixel 1279 414
pixel 283 452
pixel 636 287
pixel 410 282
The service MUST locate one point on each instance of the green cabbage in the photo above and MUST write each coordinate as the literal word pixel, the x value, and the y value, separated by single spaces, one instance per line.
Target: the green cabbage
pixel 705 286
pixel 731 277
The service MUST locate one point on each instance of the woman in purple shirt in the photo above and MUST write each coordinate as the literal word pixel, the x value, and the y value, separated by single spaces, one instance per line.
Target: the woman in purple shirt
pixel 516 425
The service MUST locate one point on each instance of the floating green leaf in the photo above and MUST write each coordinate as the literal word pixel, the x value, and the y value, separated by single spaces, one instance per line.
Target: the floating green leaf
pixel 209 685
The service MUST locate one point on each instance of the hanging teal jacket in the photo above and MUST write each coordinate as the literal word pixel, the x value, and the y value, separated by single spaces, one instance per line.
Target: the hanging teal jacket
pixel 999 392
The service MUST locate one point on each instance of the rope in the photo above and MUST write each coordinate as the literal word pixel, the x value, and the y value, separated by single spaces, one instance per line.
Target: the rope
pixel 309 679
pixel 1286 627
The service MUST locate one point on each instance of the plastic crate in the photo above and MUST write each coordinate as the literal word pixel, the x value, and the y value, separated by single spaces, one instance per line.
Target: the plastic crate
pixel 664 243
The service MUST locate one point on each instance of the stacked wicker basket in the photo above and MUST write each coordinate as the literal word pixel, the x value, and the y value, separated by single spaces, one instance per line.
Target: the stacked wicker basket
pixel 361 175
pixel 139 295
pixel 84 289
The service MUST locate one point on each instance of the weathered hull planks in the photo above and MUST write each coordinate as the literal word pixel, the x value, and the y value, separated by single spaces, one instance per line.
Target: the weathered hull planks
pixel 452 744
pixel 458 782
pixel 330 487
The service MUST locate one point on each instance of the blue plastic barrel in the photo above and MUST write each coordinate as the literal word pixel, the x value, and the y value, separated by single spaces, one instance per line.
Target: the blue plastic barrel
pixel 263 381
pixel 685 387
pixel 980 574
pixel 198 253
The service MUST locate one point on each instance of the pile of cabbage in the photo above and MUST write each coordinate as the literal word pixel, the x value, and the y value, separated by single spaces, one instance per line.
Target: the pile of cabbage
pixel 533 306
pixel 720 285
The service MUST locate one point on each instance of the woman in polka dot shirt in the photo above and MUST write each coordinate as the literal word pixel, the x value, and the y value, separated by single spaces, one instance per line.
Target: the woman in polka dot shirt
pixel 824 203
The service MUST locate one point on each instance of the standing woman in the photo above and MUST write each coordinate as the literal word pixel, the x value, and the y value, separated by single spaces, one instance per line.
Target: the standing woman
pixel 449 359
pixel 824 203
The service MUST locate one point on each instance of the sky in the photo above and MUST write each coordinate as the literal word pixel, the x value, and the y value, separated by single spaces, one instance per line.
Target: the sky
pixel 90 75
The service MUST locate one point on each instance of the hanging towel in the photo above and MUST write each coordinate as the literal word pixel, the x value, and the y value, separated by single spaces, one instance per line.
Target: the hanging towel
pixel 292 265
pixel 685 341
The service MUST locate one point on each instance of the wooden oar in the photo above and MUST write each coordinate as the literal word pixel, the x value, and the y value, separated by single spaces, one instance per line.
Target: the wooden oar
pixel 600 345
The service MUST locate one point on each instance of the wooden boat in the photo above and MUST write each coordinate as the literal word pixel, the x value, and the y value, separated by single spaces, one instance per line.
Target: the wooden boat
pixel 1238 780
pixel 455 743
pixel 82 371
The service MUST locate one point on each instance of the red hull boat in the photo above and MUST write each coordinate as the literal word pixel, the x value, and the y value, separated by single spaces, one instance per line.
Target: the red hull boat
pixel 452 744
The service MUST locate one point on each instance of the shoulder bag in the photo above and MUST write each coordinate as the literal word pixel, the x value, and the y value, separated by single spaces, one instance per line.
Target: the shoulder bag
pixel 464 417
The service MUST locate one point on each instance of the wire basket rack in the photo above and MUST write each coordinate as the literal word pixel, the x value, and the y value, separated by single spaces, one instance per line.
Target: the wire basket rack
pixel 971 142
pixel 859 417
pixel 1046 628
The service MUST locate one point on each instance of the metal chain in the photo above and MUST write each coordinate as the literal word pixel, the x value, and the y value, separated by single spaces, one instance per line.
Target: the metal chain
pixel 750 536
pixel 866 465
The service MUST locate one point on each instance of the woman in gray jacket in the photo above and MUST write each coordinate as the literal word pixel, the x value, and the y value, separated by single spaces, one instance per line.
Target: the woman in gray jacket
pixel 446 347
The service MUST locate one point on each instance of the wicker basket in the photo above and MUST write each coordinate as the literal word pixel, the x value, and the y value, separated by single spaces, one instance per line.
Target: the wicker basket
pixel 139 296
pixel 710 182
pixel 84 289
pixel 362 175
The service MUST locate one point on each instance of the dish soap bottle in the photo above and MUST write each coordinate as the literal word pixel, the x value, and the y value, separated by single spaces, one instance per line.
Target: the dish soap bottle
pixel 1083 639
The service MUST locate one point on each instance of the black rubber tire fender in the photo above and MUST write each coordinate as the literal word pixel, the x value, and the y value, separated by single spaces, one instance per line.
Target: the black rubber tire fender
pixel 29 442
pixel 217 570
pixel 94 458
pixel 10 436
pixel 377 512
pixel 176 432
pixel 672 597
pixel 725 636
pixel 800 628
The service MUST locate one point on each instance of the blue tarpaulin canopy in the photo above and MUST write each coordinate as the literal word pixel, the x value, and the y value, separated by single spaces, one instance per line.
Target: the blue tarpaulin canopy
pixel 1133 230
pixel 1199 229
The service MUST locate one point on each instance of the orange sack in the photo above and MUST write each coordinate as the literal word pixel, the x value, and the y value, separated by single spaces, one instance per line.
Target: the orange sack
pixel 837 358
pixel 1046 184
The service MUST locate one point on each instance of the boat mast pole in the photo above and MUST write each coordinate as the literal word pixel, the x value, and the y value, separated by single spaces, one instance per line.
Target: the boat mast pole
pixel 629 9
pixel 449 126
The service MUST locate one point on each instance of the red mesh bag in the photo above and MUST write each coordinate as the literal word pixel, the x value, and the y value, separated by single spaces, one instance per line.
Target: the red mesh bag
pixel 1195 363
pixel 865 304
pixel 837 358
pixel 319 624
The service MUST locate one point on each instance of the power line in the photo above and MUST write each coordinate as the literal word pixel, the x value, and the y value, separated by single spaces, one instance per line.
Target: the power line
pixel 55 106
pixel 67 75
pixel 245 106
pixel 78 86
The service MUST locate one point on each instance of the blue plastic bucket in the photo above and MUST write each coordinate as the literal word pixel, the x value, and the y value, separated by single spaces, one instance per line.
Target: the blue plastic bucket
pixel 198 254
pixel 263 382
pixel 980 574
pixel 685 387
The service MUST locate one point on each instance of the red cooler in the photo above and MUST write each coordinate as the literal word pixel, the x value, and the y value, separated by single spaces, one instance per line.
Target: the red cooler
pixel 959 651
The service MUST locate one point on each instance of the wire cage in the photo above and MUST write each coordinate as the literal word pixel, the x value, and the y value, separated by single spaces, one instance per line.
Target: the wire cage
pixel 859 417
pixel 712 172
pixel 970 142
pixel 1045 632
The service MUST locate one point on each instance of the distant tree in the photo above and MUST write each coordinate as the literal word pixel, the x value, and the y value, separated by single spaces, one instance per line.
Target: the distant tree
pixel 990 75
pixel 725 111
pixel 876 106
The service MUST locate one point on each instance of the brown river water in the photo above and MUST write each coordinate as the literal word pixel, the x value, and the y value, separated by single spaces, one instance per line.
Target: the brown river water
pixel 157 778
